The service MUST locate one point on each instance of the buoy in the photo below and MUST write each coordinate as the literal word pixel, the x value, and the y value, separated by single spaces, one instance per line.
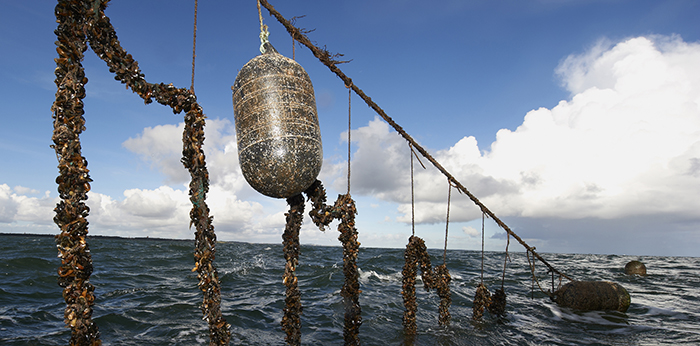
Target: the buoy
pixel 279 139
pixel 593 295
pixel 635 267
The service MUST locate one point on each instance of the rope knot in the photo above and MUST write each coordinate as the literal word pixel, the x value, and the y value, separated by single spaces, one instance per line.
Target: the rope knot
pixel 264 34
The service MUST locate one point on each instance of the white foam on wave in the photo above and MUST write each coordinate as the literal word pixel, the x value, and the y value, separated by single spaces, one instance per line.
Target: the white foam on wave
pixel 365 276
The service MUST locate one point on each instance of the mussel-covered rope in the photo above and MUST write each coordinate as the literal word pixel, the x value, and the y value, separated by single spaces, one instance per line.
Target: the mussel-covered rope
pixel 291 320
pixel 442 274
pixel 104 42
pixel 322 215
pixel 498 300
pixel 328 59
pixel 482 296
pixel 73 180
pixel 416 254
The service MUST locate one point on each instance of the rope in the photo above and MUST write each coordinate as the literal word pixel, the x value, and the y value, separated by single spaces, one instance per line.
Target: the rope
pixel 327 59
pixel 103 41
pixel 413 201
pixel 482 248
pixel 534 277
pixel 264 34
pixel 505 261
pixel 74 179
pixel 447 222
pixel 194 44
pixel 322 215
pixel 349 130
pixel 291 322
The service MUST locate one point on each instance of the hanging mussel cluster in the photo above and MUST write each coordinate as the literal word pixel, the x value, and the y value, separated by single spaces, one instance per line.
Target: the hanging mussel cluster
pixel 322 215
pixel 417 254
pixel 482 300
pixel 279 140
pixel 73 180
pixel 498 303
pixel 80 22
pixel 291 321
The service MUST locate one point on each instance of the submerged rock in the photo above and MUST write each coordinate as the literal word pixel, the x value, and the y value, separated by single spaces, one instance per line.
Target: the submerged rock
pixel 635 267
pixel 593 295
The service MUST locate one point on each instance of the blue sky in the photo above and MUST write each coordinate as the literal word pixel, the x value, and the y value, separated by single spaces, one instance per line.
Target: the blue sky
pixel 576 122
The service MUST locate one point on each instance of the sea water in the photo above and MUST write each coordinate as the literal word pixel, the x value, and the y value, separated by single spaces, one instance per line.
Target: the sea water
pixel 146 294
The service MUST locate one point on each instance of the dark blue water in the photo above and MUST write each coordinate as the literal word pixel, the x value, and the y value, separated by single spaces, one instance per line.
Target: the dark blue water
pixel 147 295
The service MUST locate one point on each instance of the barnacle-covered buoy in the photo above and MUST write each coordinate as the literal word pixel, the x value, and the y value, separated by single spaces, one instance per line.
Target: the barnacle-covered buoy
pixel 279 139
pixel 593 295
pixel 635 268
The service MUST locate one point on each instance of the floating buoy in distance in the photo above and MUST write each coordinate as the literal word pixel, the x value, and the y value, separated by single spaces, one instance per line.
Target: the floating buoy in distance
pixel 635 268
pixel 278 136
pixel 593 295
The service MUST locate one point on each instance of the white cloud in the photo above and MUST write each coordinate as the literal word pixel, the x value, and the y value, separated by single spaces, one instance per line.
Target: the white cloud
pixel 627 143
pixel 161 146
pixel 17 207
pixel 25 190
pixel 470 231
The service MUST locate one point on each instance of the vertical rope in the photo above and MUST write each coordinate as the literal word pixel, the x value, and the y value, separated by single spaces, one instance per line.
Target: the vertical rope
pixel 264 34
pixel 260 16
pixel 413 200
pixel 349 130
pixel 482 247
pixel 447 222
pixel 194 44
pixel 505 261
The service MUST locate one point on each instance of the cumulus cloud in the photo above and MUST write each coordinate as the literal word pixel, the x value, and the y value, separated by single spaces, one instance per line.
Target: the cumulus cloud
pixel 16 206
pixel 627 143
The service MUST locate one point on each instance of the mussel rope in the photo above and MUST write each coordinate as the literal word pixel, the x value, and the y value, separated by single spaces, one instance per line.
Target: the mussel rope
pixel 74 179
pixel 322 215
pixel 482 296
pixel 87 19
pixel 443 278
pixel 291 322
pixel 497 305
pixel 326 58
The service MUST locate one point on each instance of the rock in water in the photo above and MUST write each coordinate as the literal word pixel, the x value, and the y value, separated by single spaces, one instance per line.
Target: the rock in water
pixel 279 139
pixel 593 295
pixel 635 267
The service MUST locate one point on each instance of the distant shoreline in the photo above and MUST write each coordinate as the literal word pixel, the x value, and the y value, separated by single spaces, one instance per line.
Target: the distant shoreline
pixel 92 236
